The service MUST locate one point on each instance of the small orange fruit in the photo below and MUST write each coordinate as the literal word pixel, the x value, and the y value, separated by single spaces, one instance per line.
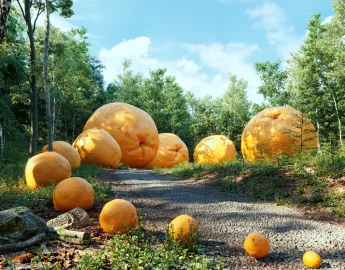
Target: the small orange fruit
pixel 214 149
pixel 256 245
pixel 118 216
pixel 172 150
pixel 132 128
pixel 312 259
pixel 95 146
pixel 67 151
pixel 184 228
pixel 71 193
pixel 46 168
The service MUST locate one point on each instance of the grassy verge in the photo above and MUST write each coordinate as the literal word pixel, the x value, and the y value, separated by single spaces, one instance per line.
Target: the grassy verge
pixel 308 181
pixel 14 192
pixel 144 249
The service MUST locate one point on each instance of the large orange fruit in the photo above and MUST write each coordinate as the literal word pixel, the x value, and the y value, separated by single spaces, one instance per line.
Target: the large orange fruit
pixel 71 193
pixel 276 131
pixel 184 229
pixel 312 259
pixel 132 128
pixel 95 146
pixel 214 149
pixel 256 245
pixel 46 168
pixel 118 216
pixel 172 150
pixel 66 150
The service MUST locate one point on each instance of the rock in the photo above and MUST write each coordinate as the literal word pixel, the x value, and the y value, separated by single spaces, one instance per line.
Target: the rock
pixel 75 217
pixel 19 224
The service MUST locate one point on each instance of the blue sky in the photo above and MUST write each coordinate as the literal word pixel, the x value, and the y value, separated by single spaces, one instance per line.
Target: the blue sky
pixel 198 41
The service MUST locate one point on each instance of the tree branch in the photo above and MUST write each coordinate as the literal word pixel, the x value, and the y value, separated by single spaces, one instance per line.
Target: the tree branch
pixel 39 12
pixel 21 8
pixel 20 245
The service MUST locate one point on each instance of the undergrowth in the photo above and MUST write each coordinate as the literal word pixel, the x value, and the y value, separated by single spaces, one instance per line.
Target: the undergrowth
pixel 305 180
pixel 14 191
pixel 143 249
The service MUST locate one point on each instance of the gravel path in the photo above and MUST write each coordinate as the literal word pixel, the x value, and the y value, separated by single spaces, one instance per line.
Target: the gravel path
pixel 225 219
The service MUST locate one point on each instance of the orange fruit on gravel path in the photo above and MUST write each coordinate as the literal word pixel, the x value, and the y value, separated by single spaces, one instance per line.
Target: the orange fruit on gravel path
pixel 274 131
pixel 214 149
pixel 46 168
pixel 256 245
pixel 172 150
pixel 66 150
pixel 184 228
pixel 71 193
pixel 132 128
pixel 118 216
pixel 95 146
pixel 312 259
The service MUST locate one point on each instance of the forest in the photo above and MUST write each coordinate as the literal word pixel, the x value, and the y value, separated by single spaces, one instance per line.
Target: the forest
pixel 312 81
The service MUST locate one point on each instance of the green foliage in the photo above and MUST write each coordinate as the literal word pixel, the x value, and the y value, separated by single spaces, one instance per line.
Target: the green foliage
pixel 273 83
pixel 143 249
pixel 301 179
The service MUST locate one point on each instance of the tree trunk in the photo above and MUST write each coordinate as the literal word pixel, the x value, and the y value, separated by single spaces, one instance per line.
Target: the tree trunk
pixel 339 122
pixel 318 135
pixel 1 143
pixel 33 81
pixel 5 6
pixel 46 83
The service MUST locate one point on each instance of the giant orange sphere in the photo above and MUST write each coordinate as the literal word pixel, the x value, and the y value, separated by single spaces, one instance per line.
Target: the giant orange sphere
pixel 46 168
pixel 132 128
pixel 72 193
pixel 118 216
pixel 214 149
pixel 172 150
pixel 66 150
pixel 95 146
pixel 277 131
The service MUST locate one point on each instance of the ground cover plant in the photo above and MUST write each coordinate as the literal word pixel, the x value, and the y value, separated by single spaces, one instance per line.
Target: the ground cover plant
pixel 307 181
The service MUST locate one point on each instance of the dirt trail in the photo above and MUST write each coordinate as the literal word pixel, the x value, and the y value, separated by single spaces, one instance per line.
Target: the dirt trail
pixel 225 219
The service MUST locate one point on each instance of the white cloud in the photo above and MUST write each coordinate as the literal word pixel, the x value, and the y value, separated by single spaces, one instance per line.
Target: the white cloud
pixel 190 74
pixel 269 16
pixel 93 18
pixel 327 19
pixel 272 18
pixel 56 21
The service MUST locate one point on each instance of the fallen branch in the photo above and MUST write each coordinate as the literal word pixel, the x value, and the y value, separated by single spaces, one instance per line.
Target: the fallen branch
pixel 20 245
pixel 66 235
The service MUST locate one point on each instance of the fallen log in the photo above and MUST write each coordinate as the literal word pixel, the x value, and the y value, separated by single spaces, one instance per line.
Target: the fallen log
pixel 23 244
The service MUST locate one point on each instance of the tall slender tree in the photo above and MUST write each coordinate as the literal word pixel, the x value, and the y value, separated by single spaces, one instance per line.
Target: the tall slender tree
pixel 5 7
pixel 64 9
pixel 46 79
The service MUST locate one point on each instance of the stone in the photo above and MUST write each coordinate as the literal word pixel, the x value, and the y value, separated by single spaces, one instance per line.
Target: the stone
pixel 19 224
pixel 75 217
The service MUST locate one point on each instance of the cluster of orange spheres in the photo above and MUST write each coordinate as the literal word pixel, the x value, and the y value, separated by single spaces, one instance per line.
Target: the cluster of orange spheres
pixel 120 216
pixel 258 246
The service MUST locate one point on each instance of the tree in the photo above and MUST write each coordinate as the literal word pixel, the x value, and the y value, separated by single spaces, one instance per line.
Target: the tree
pixel 235 109
pixel 313 76
pixel 5 7
pixel 273 83
pixel 46 83
pixel 64 9
pixel 128 85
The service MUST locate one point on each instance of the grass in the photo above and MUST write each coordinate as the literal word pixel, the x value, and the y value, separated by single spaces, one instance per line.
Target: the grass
pixel 14 192
pixel 144 249
pixel 300 180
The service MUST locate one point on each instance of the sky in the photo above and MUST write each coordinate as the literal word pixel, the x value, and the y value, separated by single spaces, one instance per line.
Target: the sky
pixel 199 41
